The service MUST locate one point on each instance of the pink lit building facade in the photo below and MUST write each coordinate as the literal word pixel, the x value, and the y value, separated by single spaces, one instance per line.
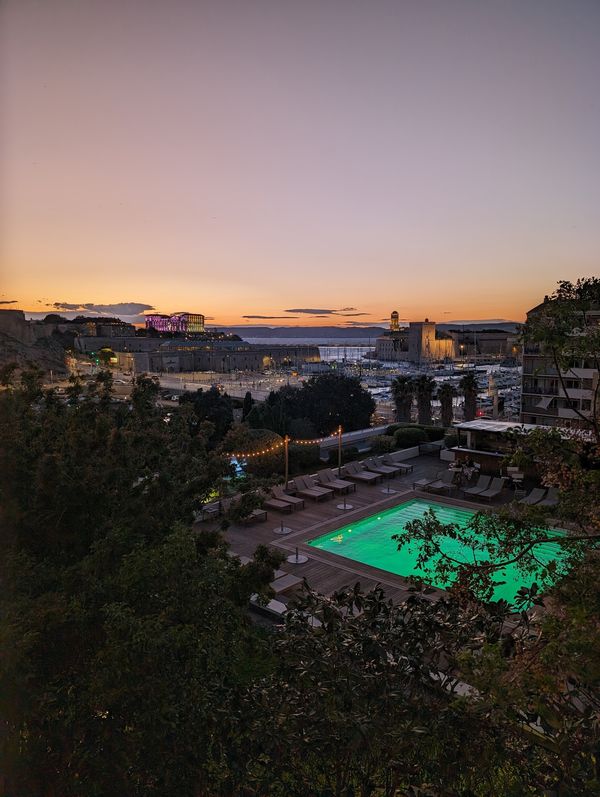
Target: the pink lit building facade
pixel 188 323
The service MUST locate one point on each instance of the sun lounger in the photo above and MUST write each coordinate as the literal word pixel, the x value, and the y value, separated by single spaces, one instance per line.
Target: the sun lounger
pixel 398 467
pixel 244 560
pixel 275 609
pixel 316 493
pixel 551 498
pixel 311 484
pixel 376 467
pixel 207 511
pixel 445 483
pixel 285 582
pixel 275 503
pixel 534 497
pixel 429 480
pixel 483 483
pixel 495 489
pixel 280 494
pixel 353 471
pixel 328 479
pixel 390 459
pixel 256 516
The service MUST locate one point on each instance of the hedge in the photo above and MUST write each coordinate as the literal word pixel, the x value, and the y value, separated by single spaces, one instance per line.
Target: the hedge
pixel 384 444
pixel 410 436
pixel 433 432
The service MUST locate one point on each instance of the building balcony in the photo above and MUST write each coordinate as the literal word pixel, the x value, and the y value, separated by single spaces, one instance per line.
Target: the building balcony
pixel 535 409
pixel 538 369
pixel 540 391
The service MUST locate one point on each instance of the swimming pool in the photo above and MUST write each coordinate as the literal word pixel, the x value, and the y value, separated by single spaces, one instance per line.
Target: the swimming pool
pixel 370 541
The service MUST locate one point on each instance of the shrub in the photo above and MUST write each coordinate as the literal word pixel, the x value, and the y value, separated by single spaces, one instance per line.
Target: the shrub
pixel 244 506
pixel 383 444
pixel 348 454
pixel 434 432
pixel 410 436
pixel 242 438
pixel 450 440
pixel 303 458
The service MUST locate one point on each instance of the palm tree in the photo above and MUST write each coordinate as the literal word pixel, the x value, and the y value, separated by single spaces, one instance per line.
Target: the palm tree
pixel 424 387
pixel 446 395
pixel 470 389
pixel 403 392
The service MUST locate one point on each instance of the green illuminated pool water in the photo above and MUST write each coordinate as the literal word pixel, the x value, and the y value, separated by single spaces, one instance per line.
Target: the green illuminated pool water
pixel 370 541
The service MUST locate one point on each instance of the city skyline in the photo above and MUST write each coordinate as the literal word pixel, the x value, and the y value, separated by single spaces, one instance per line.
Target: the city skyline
pixel 291 164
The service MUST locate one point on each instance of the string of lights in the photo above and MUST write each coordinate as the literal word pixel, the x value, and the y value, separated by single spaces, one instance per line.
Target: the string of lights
pixel 250 454
pixel 277 446
pixel 313 442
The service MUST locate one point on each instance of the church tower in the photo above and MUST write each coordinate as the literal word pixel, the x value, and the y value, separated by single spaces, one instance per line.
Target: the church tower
pixel 394 322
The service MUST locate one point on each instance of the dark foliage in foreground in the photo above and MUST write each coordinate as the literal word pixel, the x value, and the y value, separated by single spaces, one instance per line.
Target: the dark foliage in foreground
pixel 129 665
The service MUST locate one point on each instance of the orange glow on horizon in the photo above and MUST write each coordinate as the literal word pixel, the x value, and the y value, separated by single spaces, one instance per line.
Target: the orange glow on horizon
pixel 244 160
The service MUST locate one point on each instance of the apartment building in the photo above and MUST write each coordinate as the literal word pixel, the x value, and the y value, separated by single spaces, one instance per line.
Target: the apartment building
pixel 555 395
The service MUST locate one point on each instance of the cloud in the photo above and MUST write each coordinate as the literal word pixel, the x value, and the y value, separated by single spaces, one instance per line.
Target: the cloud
pixel 119 308
pixel 348 315
pixel 361 324
pixel 271 317
pixel 311 311
pixel 9 301
pixel 320 311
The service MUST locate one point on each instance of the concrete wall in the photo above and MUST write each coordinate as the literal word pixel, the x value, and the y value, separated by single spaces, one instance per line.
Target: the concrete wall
pixel 86 344
pixel 220 360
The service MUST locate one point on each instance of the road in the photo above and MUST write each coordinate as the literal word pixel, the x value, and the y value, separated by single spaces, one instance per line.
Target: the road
pixel 235 385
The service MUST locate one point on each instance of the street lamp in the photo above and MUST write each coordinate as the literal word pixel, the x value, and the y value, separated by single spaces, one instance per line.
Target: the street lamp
pixel 344 505
pixel 286 451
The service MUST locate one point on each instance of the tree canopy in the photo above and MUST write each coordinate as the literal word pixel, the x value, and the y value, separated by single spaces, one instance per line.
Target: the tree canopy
pixel 469 388
pixel 323 403
pixel 210 405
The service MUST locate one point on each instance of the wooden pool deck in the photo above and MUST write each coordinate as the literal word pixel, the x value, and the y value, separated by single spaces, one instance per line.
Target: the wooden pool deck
pixel 326 572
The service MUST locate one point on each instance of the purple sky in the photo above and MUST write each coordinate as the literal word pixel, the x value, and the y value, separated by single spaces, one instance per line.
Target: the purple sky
pixel 245 158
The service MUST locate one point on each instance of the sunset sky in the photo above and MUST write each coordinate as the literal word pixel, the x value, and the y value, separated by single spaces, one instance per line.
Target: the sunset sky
pixel 263 161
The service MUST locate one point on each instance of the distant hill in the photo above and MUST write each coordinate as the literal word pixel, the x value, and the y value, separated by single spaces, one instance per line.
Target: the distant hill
pixel 304 332
pixel 480 326
pixel 333 332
